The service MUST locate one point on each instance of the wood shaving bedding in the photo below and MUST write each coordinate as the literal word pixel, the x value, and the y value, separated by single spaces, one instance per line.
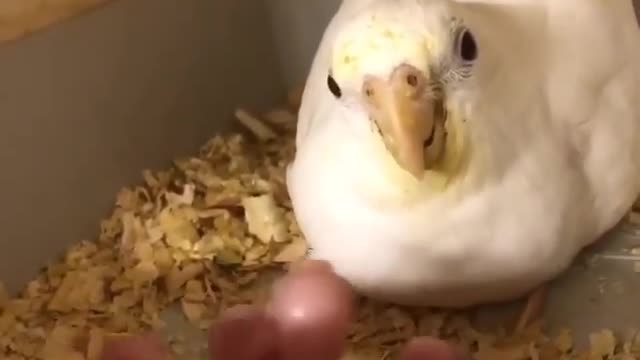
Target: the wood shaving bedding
pixel 202 234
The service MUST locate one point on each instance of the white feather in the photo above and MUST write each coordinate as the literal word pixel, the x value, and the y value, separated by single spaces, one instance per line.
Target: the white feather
pixel 554 106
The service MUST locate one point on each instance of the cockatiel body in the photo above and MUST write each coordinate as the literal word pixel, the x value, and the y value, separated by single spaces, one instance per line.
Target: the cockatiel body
pixel 455 153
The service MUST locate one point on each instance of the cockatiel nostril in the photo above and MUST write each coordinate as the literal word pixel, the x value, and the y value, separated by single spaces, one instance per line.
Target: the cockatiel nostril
pixel 431 137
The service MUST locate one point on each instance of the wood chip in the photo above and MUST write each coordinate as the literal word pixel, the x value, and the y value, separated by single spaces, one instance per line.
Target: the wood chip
pixel 257 127
pixel 265 220
pixel 293 252
pixel 603 344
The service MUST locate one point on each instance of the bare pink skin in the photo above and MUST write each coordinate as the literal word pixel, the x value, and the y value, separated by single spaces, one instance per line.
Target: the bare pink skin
pixel 308 318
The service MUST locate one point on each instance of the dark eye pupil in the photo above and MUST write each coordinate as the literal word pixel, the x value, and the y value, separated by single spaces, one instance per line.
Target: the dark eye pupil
pixel 468 48
pixel 334 87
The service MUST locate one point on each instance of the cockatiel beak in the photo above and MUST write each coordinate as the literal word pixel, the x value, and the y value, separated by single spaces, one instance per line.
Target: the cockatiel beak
pixel 409 116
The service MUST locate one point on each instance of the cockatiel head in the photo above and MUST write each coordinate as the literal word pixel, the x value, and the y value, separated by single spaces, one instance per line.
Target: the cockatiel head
pixel 408 65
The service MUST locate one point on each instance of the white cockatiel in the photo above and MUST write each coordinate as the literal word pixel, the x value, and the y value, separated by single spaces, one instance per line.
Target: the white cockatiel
pixel 456 153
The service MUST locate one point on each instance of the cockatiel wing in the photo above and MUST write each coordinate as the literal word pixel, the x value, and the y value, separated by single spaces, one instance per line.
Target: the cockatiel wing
pixel 598 97
pixel 594 103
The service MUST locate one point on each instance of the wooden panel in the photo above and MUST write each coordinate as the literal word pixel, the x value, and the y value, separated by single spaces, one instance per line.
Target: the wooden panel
pixel 19 18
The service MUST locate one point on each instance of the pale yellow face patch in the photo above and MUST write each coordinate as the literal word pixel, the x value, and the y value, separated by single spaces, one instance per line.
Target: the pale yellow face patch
pixel 373 47
pixel 437 180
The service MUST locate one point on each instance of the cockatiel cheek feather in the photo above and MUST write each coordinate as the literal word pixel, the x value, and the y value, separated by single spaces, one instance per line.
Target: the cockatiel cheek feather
pixel 404 76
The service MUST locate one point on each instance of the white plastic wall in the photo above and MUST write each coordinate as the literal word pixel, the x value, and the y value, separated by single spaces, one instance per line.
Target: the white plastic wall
pixel 86 104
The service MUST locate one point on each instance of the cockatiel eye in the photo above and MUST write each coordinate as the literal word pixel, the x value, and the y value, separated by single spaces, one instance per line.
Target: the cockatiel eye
pixel 466 48
pixel 334 87
pixel 465 51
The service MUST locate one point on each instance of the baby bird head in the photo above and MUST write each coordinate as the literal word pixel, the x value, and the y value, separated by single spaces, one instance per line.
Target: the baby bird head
pixel 406 64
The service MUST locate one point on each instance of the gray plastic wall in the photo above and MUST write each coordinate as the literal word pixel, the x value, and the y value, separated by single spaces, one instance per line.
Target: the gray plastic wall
pixel 89 103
